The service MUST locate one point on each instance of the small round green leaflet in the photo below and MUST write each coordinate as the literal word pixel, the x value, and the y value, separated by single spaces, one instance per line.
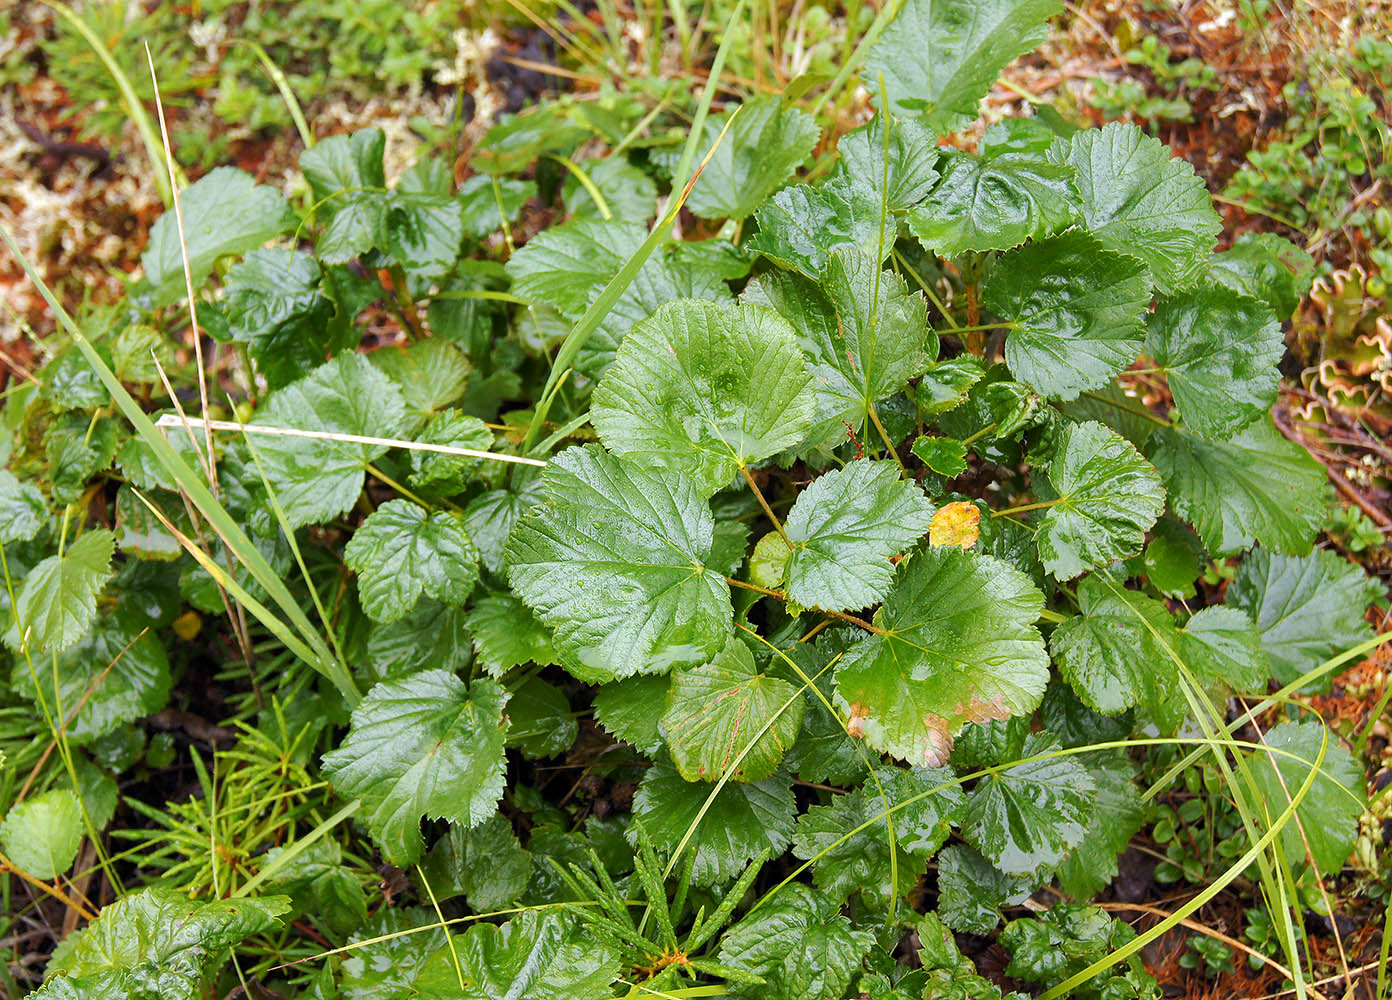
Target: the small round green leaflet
pixel 703 391
pixel 42 834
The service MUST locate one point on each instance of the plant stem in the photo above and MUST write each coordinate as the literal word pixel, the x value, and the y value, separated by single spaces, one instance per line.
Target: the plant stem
pixel 927 290
pixel 386 480
pixel 852 619
pixel 1023 508
pixel 6 865
pixel 986 326
pixel 404 306
pixel 884 436
pixel 973 438
pixel 1129 409
pixel 777 524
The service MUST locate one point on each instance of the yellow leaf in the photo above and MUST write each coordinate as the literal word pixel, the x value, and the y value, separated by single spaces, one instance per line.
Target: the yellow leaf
pixel 956 524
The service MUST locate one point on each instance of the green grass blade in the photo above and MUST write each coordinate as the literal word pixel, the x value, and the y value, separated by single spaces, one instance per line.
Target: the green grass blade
pixel 1219 884
pixel 888 13
pixel 282 83
pixel 682 177
pixel 199 494
pixel 129 98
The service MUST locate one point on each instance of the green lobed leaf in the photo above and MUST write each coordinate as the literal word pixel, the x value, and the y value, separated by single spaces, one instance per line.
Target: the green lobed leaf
pixel 1075 724
pixel 568 266
pixel 1172 558
pixel 425 745
pixel 540 956
pixel 277 306
pixel 491 517
pixel 1117 816
pixel 480 205
pixel 1067 938
pixel 70 382
pixel 1138 200
pixel 946 384
pixel 431 374
pixel 320 885
pixel 862 332
pixel 880 338
pixel 959 646
pixel 225 212
pixel 704 391
pixel 1028 817
pixel 1326 821
pixel 388 952
pixel 630 710
pixel 743 819
pixel 565 265
pixel 939 58
pixel 77 448
pixel 715 710
pixel 1076 309
pixel 906 177
pixel 768 563
pixel 450 473
pixel 863 862
pixel 57 603
pixel 402 553
pixel 507 634
pixel 823 751
pixel 431 635
pixel 1113 653
pixel 802 225
pixel 23 513
pixel 1256 487
pixel 945 456
pixel 485 865
pixel 42 834
pixel 162 928
pixel 314 479
pixel 543 723
pixel 844 528
pixel 764 145
pixel 628 193
pixel 1266 267
pixel 424 230
pixel 1108 497
pixel 613 561
pixel 347 178
pixel 971 890
pixel 1306 608
pixel 996 200
pixel 1219 352
pixel 1223 647
pixel 798 945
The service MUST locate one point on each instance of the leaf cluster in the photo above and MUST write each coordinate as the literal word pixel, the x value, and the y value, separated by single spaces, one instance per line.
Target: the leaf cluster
pixel 868 529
